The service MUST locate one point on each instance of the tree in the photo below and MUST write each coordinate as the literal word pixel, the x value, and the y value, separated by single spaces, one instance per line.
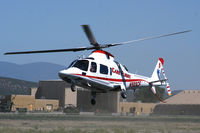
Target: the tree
pixel 146 95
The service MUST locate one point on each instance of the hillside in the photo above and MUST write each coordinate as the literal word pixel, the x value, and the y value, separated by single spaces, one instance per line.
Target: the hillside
pixel 30 72
pixel 15 86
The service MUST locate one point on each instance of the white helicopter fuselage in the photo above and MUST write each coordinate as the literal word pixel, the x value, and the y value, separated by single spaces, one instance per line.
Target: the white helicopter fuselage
pixel 101 73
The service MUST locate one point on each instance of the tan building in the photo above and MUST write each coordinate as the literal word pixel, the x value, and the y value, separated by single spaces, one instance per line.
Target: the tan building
pixel 185 97
pixel 21 101
pixel 105 102
pixel 186 102
pixel 57 89
pixel 61 90
pixel 54 94
pixel 46 105
pixel 137 108
pixel 29 103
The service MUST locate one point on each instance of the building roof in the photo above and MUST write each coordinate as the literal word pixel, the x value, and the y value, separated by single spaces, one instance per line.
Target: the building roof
pixel 185 97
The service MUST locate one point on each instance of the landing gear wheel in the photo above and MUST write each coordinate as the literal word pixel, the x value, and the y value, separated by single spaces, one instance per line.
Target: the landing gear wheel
pixel 73 88
pixel 93 101
pixel 123 95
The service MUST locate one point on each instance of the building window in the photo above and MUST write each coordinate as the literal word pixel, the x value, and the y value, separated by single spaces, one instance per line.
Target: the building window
pixel 49 107
pixel 132 110
pixel 141 109
pixel 122 109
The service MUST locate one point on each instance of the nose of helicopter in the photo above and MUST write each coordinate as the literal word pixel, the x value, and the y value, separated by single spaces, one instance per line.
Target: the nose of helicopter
pixel 63 73
pixel 68 74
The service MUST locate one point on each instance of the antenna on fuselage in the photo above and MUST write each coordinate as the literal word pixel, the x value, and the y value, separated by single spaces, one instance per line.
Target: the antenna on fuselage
pixel 81 57
pixel 136 71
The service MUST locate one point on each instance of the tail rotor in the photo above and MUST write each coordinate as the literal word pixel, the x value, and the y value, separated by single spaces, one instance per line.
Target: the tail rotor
pixel 167 84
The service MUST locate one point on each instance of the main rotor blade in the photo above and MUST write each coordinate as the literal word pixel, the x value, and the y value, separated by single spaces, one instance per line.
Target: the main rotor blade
pixel 143 39
pixel 49 51
pixel 90 36
pixel 94 43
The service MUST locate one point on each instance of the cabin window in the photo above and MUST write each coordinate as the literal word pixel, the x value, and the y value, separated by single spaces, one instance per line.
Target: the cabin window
pixel 82 64
pixel 103 69
pixel 110 71
pixel 93 67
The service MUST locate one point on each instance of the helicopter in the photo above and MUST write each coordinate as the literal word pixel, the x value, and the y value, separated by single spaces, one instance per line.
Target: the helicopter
pixel 101 73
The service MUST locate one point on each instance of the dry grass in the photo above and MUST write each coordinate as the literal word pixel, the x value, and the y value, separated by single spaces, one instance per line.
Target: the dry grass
pixel 98 124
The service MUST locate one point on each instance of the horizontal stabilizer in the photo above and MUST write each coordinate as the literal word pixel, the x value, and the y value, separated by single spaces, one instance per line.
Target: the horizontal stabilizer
pixel 161 81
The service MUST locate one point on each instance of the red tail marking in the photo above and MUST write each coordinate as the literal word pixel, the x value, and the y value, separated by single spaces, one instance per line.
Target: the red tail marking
pixel 161 60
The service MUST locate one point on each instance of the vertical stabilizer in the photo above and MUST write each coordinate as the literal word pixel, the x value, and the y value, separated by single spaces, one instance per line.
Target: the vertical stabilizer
pixel 157 71
pixel 156 76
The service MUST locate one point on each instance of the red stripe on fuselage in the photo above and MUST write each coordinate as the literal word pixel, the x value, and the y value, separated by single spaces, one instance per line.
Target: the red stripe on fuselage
pixel 110 79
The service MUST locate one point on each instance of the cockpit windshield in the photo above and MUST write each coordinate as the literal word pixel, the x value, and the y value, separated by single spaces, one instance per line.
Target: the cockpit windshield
pixel 81 64
pixel 72 64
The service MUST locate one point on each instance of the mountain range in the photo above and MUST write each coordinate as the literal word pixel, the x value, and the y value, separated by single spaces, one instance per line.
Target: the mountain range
pixel 30 72
pixel 15 86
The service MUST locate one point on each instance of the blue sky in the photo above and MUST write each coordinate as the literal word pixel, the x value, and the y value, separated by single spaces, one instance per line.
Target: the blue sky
pixel 51 24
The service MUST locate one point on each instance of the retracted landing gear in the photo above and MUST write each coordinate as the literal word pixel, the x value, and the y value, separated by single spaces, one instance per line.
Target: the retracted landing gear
pixel 93 100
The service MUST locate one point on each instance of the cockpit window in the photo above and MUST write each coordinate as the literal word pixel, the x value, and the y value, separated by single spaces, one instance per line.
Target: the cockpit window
pixel 72 64
pixel 81 64
pixel 93 67
pixel 103 69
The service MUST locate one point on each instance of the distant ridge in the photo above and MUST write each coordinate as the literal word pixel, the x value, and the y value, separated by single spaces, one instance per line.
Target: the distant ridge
pixel 15 86
pixel 30 72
